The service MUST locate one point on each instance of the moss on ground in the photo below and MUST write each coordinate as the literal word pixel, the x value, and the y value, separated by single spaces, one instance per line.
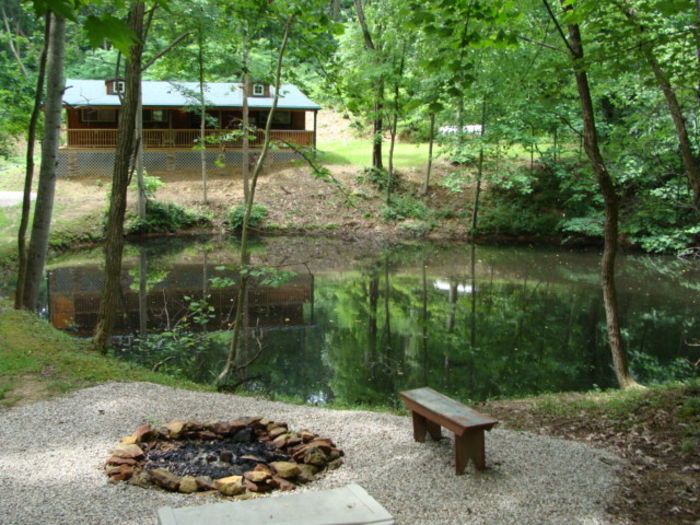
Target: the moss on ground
pixel 35 356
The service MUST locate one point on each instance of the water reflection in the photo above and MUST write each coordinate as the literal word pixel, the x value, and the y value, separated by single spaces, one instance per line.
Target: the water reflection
pixel 357 326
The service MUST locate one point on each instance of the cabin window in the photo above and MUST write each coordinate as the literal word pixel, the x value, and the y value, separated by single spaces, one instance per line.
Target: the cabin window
pixel 282 118
pixel 155 115
pixel 98 115
pixel 119 87
pixel 258 90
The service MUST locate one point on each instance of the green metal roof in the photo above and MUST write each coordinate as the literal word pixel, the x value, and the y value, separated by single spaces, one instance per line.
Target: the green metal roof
pixel 81 93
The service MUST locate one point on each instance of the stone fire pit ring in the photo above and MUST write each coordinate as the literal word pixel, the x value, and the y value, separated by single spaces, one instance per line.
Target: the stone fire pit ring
pixel 238 458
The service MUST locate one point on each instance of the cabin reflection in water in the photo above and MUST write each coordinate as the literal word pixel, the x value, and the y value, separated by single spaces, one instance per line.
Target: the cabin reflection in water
pixel 74 298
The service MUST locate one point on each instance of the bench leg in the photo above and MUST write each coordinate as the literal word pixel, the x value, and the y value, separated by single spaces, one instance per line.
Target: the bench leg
pixel 421 425
pixel 470 446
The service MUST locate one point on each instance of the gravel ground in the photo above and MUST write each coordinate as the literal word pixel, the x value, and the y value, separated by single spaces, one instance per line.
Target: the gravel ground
pixel 10 198
pixel 52 453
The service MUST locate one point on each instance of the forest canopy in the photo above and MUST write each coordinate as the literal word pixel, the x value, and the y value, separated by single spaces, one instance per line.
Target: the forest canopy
pixel 402 70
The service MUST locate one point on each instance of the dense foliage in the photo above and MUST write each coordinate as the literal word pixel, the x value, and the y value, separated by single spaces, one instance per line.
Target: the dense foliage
pixel 498 64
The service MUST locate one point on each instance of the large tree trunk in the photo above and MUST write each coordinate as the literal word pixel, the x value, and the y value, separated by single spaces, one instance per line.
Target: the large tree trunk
pixel 378 124
pixel 29 171
pixel 610 198
pixel 39 243
pixel 120 180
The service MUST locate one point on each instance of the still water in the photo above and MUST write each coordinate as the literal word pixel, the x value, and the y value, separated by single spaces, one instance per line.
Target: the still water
pixel 355 323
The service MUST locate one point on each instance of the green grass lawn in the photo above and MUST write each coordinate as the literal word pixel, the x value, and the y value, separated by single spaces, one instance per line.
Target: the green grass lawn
pixel 359 153
pixel 9 224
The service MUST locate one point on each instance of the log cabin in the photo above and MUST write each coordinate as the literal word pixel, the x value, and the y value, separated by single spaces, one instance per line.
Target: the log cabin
pixel 171 115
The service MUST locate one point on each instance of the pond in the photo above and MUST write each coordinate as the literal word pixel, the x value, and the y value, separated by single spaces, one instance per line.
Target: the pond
pixel 354 323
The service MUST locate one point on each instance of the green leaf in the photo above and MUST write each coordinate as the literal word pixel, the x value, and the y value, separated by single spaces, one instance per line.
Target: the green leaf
pixel 110 28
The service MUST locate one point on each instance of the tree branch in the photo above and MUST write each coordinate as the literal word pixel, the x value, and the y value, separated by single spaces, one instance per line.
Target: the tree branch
pixel 542 44
pixel 11 43
pixel 165 50
pixel 559 29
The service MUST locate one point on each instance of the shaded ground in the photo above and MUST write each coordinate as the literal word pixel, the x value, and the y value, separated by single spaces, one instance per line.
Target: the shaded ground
pixel 657 431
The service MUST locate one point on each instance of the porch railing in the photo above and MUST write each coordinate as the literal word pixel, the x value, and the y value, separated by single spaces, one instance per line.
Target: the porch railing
pixel 184 138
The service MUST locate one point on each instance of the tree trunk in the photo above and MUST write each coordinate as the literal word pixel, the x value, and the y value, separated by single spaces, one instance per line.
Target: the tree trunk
pixel 431 139
pixel 610 198
pixel 245 158
pixel 692 168
pixel 480 171
pixel 114 242
pixel 203 115
pixel 139 161
pixel 378 124
pixel 233 347
pixel 39 243
pixel 29 172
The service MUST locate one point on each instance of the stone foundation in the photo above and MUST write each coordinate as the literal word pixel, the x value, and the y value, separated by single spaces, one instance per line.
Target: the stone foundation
pixel 74 162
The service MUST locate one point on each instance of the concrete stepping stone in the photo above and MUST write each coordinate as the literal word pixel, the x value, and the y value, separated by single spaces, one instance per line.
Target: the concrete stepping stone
pixel 349 505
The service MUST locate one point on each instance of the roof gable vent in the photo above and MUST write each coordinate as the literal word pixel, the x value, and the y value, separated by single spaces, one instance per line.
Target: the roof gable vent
pixel 258 89
pixel 115 86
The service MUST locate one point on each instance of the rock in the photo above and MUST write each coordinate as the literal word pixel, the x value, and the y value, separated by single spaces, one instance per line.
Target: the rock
pixel 139 479
pixel 188 485
pixel 281 440
pixel 325 444
pixel 294 439
pixel 230 486
pixel 256 476
pixel 120 473
pixel 116 460
pixel 244 435
pixel 174 429
pixel 205 483
pixel 307 436
pixel 250 457
pixel 281 483
pixel 285 469
pixel 277 431
pixel 207 435
pixel 315 456
pixel 307 473
pixel 128 451
pixel 261 467
pixel 336 463
pixel 129 440
pixel 254 487
pixel 226 456
pixel 145 433
pixel 165 478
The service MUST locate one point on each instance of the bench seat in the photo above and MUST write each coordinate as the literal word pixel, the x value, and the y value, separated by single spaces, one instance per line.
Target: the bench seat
pixel 432 410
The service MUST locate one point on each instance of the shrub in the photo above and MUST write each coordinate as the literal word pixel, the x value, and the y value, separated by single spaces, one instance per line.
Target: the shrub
pixel 379 178
pixel 404 207
pixel 257 215
pixel 164 217
pixel 150 184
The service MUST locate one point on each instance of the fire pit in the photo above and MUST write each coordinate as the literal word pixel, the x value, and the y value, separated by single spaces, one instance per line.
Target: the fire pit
pixel 234 458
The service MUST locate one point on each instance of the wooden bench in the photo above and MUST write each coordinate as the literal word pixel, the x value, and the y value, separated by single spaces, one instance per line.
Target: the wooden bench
pixel 432 410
